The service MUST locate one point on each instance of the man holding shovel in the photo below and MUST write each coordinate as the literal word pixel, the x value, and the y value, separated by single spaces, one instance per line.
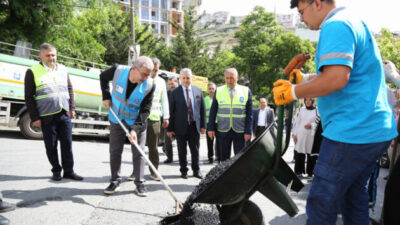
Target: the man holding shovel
pixel 356 117
pixel 131 100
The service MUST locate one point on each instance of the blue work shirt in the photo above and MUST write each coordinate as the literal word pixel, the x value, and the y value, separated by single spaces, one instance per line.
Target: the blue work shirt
pixel 359 113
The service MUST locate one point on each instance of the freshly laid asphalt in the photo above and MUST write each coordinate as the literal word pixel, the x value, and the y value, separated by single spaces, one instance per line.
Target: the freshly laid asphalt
pixel 25 181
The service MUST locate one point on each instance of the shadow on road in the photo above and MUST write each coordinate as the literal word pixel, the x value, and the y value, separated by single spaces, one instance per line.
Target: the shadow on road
pixel 16 134
pixel 11 134
pixel 38 198
pixel 104 179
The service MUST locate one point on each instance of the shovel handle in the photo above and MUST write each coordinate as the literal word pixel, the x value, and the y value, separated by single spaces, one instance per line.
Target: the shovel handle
pixel 147 159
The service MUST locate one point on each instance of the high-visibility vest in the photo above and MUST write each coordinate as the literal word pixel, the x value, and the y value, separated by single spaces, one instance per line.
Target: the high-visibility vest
pixel 208 102
pixel 52 94
pixel 156 107
pixel 127 109
pixel 232 113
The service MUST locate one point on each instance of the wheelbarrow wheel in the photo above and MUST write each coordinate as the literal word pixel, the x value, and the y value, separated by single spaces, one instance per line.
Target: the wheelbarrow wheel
pixel 250 215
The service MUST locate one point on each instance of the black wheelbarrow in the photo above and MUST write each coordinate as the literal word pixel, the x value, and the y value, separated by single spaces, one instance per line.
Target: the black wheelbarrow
pixel 230 184
pixel 258 167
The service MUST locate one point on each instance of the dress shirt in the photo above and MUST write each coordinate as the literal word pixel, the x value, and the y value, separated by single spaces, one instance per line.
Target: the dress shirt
pixel 191 98
pixel 262 116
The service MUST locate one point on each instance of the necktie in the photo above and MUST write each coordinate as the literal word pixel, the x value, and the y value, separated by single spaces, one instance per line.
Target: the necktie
pixel 231 94
pixel 189 105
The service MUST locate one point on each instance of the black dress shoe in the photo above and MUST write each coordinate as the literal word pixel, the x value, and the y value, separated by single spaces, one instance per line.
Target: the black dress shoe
pixel 168 161
pixel 56 177
pixel 198 175
pixel 210 161
pixel 72 176
pixel 184 176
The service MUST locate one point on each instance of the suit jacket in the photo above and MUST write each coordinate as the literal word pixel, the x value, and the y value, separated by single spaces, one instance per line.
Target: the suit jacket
pixel 178 121
pixel 269 117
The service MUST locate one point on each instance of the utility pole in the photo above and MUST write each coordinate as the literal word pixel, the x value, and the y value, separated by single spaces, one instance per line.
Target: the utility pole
pixel 132 49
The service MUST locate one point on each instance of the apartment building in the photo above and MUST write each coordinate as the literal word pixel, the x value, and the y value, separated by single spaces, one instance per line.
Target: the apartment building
pixel 158 12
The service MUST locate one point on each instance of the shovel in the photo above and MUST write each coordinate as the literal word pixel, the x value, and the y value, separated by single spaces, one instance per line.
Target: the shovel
pixel 178 204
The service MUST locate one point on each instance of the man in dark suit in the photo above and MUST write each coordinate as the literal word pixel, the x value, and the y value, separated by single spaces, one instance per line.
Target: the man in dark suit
pixel 187 121
pixel 167 147
pixel 263 117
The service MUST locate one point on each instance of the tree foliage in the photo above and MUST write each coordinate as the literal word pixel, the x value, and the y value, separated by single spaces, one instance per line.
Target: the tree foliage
pixel 97 31
pixel 32 20
pixel 265 49
pixel 389 47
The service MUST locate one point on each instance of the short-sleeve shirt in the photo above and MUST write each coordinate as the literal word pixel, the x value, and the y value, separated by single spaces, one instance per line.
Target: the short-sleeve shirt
pixel 359 113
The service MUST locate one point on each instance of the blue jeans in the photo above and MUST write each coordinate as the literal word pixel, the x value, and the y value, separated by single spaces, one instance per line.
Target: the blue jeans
pixel 341 182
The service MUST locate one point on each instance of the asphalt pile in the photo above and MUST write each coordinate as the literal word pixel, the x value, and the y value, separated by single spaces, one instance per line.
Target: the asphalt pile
pixel 203 214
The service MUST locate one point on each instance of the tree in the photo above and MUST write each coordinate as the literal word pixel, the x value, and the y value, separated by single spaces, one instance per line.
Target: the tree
pixel 265 49
pixel 389 47
pixel 220 61
pixel 33 20
pixel 255 38
pixel 188 48
pixel 110 27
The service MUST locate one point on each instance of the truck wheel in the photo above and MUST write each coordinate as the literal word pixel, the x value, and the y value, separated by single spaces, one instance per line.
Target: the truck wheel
pixel 28 130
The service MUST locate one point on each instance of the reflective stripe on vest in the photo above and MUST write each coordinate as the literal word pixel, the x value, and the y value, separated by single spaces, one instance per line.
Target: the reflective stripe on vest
pixel 51 89
pixel 127 109
pixel 208 103
pixel 232 114
pixel 156 110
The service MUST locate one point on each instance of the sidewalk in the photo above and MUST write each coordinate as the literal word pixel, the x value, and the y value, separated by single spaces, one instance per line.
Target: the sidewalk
pixel 25 181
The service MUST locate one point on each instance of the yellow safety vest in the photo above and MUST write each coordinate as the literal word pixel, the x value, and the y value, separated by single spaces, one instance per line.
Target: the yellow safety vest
pixel 51 89
pixel 232 113
pixel 156 106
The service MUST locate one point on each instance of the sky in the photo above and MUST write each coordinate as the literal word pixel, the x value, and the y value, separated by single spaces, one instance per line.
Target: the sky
pixel 377 14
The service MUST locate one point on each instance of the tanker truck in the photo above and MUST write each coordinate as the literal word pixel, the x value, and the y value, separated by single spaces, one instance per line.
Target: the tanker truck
pixel 91 116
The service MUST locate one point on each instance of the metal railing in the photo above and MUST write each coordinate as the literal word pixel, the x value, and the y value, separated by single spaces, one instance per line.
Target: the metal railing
pixel 7 48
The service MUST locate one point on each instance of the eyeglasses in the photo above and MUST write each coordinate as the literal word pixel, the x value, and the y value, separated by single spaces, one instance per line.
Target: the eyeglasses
pixel 142 73
pixel 301 11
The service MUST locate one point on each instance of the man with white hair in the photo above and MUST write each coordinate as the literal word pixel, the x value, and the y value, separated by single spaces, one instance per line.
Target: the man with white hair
pixel 233 108
pixel 187 121
pixel 131 100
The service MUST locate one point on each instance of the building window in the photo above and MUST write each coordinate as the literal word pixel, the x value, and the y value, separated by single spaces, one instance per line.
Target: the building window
pixel 164 29
pixel 154 15
pixel 155 4
pixel 145 13
pixel 136 2
pixel 164 16
pixel 174 5
pixel 145 3
pixel 164 4
pixel 155 28
pixel 179 18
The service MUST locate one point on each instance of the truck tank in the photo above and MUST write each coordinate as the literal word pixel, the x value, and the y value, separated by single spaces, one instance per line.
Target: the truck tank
pixel 88 97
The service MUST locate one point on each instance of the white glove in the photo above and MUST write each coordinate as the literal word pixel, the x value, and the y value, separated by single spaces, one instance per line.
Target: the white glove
pixel 391 72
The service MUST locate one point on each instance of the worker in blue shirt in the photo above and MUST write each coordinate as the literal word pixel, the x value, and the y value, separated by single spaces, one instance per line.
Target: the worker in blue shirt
pixel 357 121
